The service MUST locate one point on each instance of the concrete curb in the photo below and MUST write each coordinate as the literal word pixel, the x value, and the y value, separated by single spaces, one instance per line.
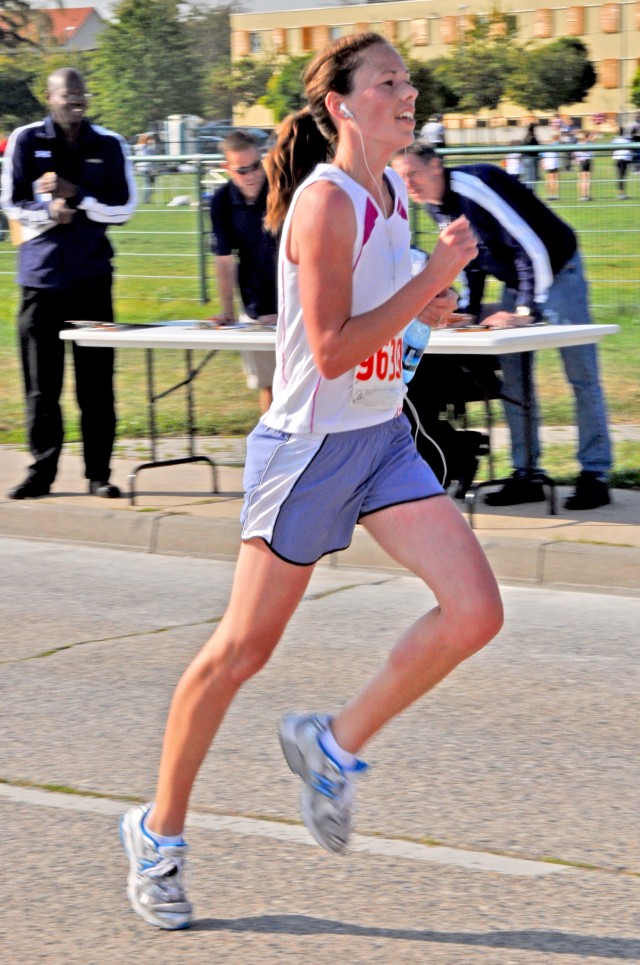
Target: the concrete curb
pixel 517 561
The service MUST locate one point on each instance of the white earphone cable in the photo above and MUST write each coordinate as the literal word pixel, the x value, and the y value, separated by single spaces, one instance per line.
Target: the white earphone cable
pixel 420 430
pixel 419 427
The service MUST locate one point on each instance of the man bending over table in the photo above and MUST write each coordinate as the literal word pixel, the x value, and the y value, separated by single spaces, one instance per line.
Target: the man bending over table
pixel 535 254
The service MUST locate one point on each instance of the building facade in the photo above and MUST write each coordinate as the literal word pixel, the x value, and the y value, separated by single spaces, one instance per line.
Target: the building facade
pixel 429 29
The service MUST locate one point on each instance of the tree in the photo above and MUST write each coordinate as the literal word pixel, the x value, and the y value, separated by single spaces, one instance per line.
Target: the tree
pixel 240 84
pixel 482 61
pixel 145 67
pixel 635 89
pixel 18 104
pixel 210 30
pixel 250 78
pixel 549 77
pixel 285 89
pixel 433 96
pixel 18 25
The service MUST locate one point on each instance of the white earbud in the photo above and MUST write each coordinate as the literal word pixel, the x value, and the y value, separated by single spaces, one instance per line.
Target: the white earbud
pixel 344 110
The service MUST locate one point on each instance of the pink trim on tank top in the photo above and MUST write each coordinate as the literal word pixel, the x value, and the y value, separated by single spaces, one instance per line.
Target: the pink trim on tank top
pixel 370 218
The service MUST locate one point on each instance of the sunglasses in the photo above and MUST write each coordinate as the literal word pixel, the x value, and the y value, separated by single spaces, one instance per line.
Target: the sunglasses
pixel 247 169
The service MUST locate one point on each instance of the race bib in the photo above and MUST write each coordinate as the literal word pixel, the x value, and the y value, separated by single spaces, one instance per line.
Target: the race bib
pixel 378 382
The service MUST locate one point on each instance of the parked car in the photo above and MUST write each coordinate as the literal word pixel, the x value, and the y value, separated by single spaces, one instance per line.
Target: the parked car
pixel 210 136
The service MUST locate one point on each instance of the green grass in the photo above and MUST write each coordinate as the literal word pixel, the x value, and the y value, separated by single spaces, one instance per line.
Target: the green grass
pixel 157 277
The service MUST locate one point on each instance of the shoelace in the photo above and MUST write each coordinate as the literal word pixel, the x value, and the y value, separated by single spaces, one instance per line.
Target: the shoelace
pixel 167 876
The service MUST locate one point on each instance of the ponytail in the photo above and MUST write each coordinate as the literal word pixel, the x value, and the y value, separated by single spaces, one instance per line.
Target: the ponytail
pixel 309 137
pixel 299 148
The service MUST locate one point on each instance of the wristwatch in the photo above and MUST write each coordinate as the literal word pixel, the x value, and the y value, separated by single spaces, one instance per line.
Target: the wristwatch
pixel 523 311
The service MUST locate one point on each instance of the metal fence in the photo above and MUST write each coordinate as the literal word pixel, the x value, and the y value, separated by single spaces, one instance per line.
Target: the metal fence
pixel 162 254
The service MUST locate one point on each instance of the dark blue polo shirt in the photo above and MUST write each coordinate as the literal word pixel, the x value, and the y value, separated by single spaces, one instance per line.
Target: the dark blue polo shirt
pixel 97 164
pixel 237 226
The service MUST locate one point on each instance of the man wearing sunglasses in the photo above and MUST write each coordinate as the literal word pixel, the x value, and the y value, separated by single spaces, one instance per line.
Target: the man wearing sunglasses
pixel 243 249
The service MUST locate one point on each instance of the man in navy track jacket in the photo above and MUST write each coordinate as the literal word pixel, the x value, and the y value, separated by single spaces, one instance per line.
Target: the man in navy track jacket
pixel 64 182
pixel 523 244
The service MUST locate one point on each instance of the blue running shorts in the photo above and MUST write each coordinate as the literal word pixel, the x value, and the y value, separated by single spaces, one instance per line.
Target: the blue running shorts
pixel 304 493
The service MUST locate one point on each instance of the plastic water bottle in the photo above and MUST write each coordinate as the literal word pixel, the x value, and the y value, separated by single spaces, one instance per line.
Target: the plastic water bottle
pixel 416 335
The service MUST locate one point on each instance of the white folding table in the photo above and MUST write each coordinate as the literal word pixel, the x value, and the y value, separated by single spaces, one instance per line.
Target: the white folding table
pixel 191 334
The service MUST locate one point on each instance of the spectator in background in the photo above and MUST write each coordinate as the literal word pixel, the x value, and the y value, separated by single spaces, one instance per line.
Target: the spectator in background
pixel 4 224
pixel 433 132
pixel 513 162
pixel 523 244
pixel 551 167
pixel 583 159
pixel 622 158
pixel 237 215
pixel 567 135
pixel 147 146
pixel 633 133
pixel 530 159
pixel 65 181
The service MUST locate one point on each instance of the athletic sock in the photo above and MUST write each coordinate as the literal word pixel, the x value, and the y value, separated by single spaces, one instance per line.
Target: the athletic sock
pixel 332 749
pixel 162 840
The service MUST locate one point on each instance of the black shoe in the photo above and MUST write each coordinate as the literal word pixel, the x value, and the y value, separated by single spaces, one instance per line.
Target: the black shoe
pixel 29 489
pixel 517 489
pixel 477 444
pixel 105 489
pixel 591 491
pixel 466 479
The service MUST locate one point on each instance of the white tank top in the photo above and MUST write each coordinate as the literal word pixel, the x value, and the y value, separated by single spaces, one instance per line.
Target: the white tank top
pixel 372 392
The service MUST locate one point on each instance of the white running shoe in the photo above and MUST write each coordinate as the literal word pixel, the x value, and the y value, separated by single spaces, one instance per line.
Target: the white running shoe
pixel 155 883
pixel 328 796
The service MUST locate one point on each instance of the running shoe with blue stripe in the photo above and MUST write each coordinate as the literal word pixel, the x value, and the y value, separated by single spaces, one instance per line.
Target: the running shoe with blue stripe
pixel 328 797
pixel 155 884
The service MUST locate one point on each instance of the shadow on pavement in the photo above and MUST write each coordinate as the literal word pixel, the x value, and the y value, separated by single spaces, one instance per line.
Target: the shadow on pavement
pixel 556 942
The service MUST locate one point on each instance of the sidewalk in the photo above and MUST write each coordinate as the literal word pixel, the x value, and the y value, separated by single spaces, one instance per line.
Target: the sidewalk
pixel 176 513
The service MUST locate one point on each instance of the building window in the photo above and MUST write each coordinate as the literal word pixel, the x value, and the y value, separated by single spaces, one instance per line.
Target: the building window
pixel 542 25
pixel 319 37
pixel 335 33
pixel 390 30
pixel 241 43
pixel 609 73
pixel 255 42
pixel 419 32
pixel 279 40
pixel 610 18
pixel 449 30
pixel 575 21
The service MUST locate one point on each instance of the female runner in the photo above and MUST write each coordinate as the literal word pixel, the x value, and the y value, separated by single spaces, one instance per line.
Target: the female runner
pixel 333 450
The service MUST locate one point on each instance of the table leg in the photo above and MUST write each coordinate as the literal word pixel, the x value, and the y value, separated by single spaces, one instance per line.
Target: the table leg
pixel 152 397
pixel 537 475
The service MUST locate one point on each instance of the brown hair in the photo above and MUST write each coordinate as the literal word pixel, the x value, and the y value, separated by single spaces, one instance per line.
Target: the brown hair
pixel 239 141
pixel 419 149
pixel 309 137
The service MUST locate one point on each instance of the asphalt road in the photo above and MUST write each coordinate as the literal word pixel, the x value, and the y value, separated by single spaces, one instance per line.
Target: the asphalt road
pixel 498 823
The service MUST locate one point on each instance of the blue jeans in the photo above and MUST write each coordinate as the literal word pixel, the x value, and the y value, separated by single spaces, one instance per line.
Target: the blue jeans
pixel 567 304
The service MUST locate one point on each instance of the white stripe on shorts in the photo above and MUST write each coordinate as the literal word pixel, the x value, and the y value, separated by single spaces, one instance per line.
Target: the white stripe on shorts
pixel 289 459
